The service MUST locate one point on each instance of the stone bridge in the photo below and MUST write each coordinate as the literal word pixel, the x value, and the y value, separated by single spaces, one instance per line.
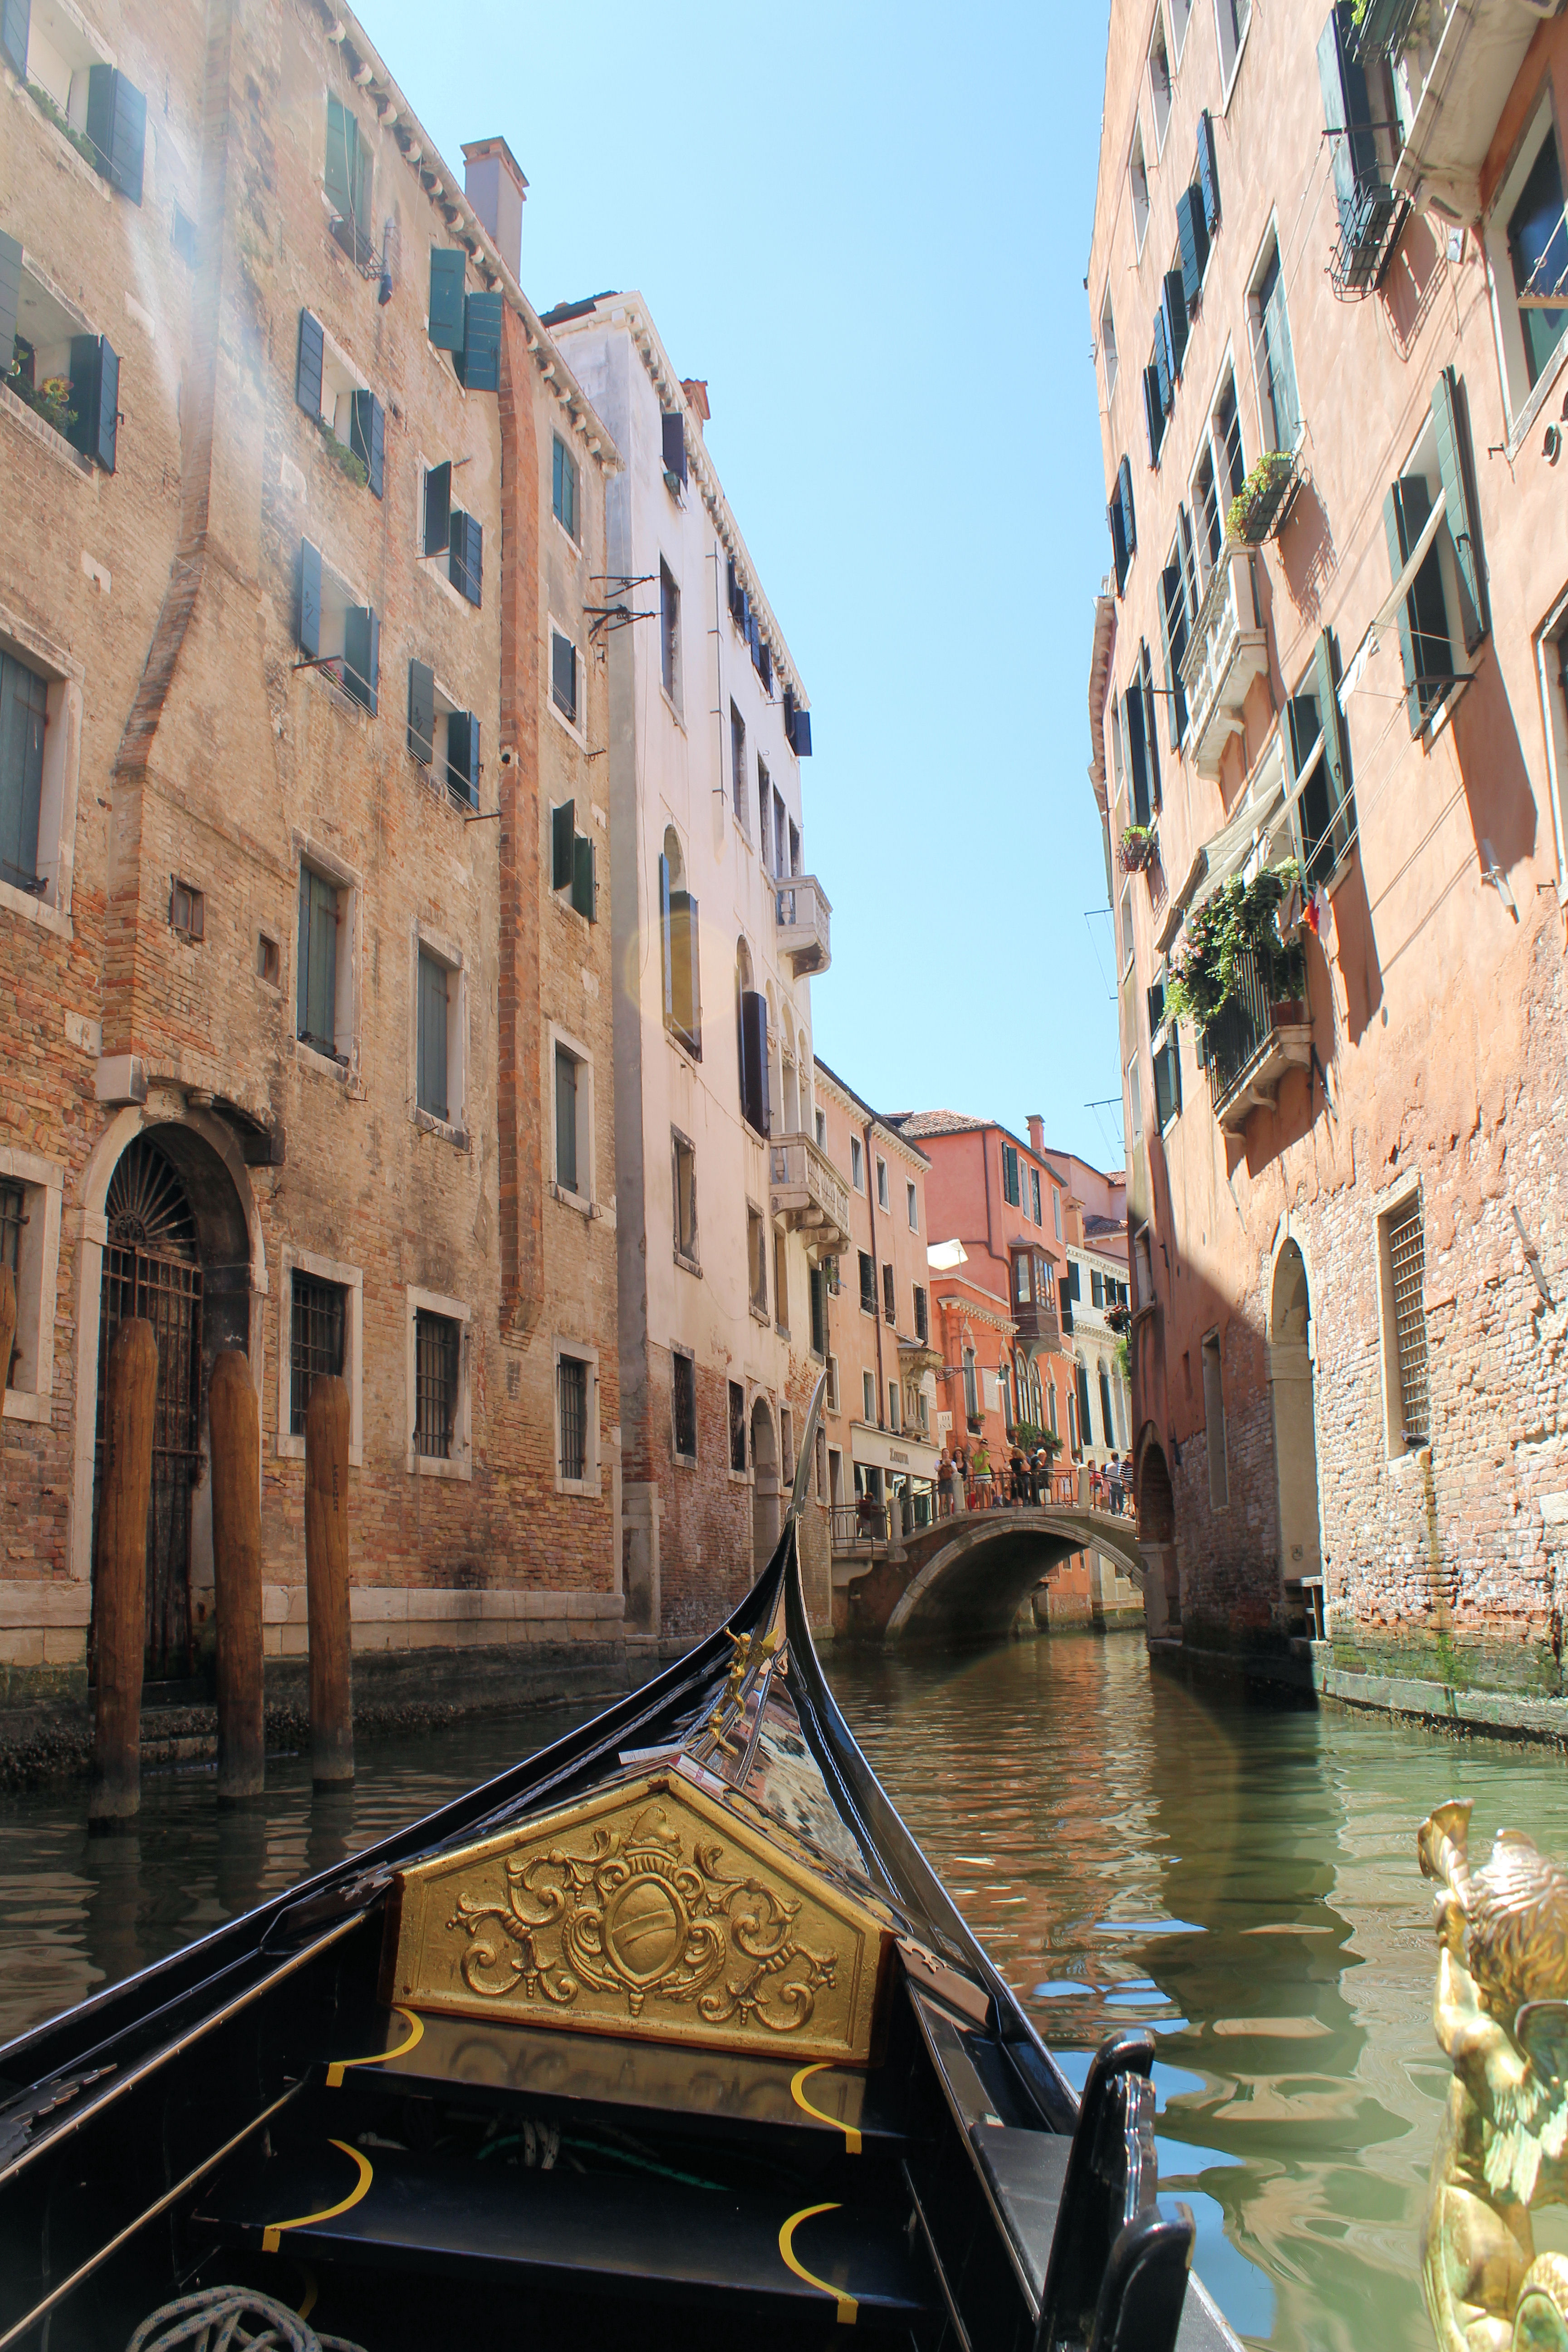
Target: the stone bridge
pixel 965 1579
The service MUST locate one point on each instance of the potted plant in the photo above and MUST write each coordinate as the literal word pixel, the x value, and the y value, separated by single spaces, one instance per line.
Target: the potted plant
pixel 1118 1318
pixel 50 400
pixel 1238 923
pixel 1262 504
pixel 1138 849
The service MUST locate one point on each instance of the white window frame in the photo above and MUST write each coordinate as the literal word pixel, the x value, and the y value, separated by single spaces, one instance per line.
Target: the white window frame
pixel 37 1280
pixel 1270 244
pixel 831 1398
pixel 349 1280
pixel 449 953
pixel 1554 720
pixel 1210 446
pixel 869 1397
pixel 1228 84
pixel 63 678
pixel 578 731
pixel 1138 163
pixel 1522 402
pixel 857 1164
pixel 1422 459
pixel 883 1195
pixel 1179 35
pixel 1159 34
pixel 460 1464
pixel 584 1203
pixel 579 1351
pixel 1108 354
pixel 346 1001
pixel 912 1200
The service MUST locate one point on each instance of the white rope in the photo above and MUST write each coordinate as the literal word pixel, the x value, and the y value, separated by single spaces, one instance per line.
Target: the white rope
pixel 220 2318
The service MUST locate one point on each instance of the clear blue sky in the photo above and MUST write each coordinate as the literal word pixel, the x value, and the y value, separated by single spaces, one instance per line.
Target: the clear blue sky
pixel 868 229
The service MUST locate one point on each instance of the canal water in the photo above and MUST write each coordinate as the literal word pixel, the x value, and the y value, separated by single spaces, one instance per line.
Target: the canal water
pixel 1240 1880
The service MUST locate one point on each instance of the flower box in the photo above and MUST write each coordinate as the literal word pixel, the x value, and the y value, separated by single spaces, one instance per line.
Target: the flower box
pixel 1259 508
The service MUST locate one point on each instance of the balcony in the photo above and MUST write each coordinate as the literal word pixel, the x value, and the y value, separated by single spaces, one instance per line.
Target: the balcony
pixel 917 1357
pixel 1251 1045
pixel 1371 218
pixel 1229 648
pixel 1454 64
pixel 1039 1326
pixel 803 910
pixel 808 1196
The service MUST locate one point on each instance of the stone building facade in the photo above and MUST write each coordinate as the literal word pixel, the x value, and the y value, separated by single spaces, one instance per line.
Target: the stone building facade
pixel 298 1002
pixel 1331 367
pixel 727 1205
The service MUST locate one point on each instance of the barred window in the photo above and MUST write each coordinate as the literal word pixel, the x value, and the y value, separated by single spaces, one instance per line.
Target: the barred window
pixel 437 1340
pixel 737 1426
pixel 571 1380
pixel 1408 1270
pixel 315 1340
pixel 683 1404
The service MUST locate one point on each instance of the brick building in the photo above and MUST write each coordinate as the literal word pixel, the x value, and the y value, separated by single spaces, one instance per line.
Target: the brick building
pixel 727 1205
pixel 1329 282
pixel 303 1025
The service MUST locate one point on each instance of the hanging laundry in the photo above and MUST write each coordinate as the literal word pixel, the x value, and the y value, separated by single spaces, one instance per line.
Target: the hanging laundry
pixel 1323 921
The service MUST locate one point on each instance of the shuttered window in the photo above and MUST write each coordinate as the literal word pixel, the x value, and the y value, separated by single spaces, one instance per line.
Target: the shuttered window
pixel 465 556
pixel 463 757
pixel 316 1020
pixel 1011 1192
pixel 117 126
pixel 308 364
pixel 361 665
pixel 435 982
pixel 562 819
pixel 563 676
pixel 1191 241
pixel 422 712
pixel 448 266
pixel 24 710
pixel 482 316
pixel 1174 624
pixel 437 509
pixel 15 28
pixel 737 1404
pixel 754 1060
pixel 567 1168
pixel 563 487
pixel 348 174
pixel 367 437
pixel 95 400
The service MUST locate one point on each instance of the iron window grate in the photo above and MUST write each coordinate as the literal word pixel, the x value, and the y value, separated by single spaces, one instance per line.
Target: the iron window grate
pixel 685 1406
pixel 1407 1262
pixel 316 1341
pixel 435 1342
pixel 572 1377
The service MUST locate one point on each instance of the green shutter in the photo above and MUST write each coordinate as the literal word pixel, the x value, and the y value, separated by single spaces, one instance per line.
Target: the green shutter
pixel 1391 524
pixel 583 892
pixel 117 126
pixel 563 487
pixel 1460 507
pixel 1175 700
pixel 308 365
pixel 10 297
pixel 362 655
pixel 1193 239
pixel 438 510
pixel 317 961
pixel 565 1121
pixel 422 712
pixel 481 342
pixel 1174 301
pixel 561 861
pixel 23 702
pixel 16 22
pixel 463 756
pixel 1336 747
pixel 310 624
pixel 434 984
pixel 340 123
pixel 95 399
pixel 447 265
pixel 368 437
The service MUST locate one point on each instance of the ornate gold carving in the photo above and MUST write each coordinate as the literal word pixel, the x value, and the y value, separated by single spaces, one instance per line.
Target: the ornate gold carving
pixel 648 1910
pixel 1501 2015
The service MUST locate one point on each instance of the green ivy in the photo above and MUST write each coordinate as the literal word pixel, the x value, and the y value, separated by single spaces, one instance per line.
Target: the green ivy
pixel 78 139
pixel 1239 919
pixel 342 456
pixel 1257 490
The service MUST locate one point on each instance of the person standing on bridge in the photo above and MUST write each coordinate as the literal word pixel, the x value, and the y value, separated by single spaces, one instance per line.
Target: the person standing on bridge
pixel 944 1484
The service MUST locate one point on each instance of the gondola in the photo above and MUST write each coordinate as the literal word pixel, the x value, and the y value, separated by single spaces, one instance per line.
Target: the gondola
pixel 670 2031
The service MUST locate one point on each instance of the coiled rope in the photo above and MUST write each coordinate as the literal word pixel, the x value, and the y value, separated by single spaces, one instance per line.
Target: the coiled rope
pixel 221 2317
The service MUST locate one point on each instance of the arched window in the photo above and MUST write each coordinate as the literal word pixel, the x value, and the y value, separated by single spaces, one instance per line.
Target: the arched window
pixel 752 1032
pixel 775 1068
pixel 677 946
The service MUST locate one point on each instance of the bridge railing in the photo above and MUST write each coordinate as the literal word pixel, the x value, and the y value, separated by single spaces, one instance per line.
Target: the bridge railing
pixel 856 1526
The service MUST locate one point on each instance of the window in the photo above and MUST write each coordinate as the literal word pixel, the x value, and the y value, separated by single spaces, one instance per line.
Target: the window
pixel 572 862
pixel 31 1191
pixel 1160 82
pixel 911 1202
pixel 348 180
pixel 442 738
pixel 868 1284
pixel 881 1183
pixel 434 984
pixel 322 1012
pixel 1107 1417
pixel 684 1186
pixel 340 403
pixel 24 708
pixel 1402 1252
pixel 1011 1192
pixel 335 635
pixel 857 1164
pixel 1034 1196
pixel 889 1304
pixel 570 1169
pixel 682 1397
pixel 869 1397
pixel 1122 516
pixel 1432 523
pixel 764 808
pixel 1272 356
pixel 895 1420
pixel 757 1261
pixel 1213 1417
pixel 737 1426
pixel 1138 184
pixel 1134 1103
pixel 833 1405
pixel 1108 344
pixel 1174 616
pixel 738 770
pixel 1166 1055
pixel 1180 17
pixel 268 961
pixel 1217 477
pixel 1143 749
pixel 1057 1211
pixel 923 1316
pixel 572 1415
pixel 1232 17
pixel 1526 239
pixel 54 365
pixel 817 1289
pixel 669 634
pixel 103 115
pixel 678 937
pixel 563 676
pixel 1021 1276
pixel 316 1339
pixel 563 486
pixel 437 1341
pixel 781 1285
pixel 1319 751
pixel 971 1388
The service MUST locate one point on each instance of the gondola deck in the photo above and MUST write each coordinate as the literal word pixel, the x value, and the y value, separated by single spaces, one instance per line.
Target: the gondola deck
pixel 672 2028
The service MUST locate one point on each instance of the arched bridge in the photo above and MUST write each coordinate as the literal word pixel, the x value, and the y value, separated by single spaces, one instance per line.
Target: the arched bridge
pixel 964 1579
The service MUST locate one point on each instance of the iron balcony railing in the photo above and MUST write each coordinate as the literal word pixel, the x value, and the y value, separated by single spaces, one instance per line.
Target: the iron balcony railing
pixel 1235 1035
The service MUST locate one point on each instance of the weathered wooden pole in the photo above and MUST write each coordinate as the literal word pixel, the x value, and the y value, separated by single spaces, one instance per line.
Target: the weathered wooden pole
pixel 327 1580
pixel 7 1321
pixel 234 1418
pixel 119 1576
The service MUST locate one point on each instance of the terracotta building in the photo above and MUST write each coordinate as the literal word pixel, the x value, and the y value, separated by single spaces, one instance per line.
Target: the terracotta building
pixel 305 1018
pixel 1329 286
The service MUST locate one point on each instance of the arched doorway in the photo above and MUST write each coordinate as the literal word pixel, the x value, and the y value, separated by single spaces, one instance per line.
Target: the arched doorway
pixel 1295 1426
pixel 764 1484
pixel 1157 1539
pixel 177 1253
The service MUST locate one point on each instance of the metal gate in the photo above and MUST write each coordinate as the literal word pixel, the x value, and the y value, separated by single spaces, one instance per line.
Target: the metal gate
pixel 150 1270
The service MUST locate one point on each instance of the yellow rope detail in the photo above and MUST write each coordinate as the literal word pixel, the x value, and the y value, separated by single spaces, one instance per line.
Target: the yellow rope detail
pixel 272 2233
pixel 823 2065
pixel 379 2057
pixel 848 2309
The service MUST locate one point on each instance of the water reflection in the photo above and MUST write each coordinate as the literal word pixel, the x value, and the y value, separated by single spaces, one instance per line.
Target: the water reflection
pixel 1242 1882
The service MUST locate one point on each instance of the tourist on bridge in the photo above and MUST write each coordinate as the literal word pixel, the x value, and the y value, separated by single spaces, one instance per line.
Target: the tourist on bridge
pixel 944 1484
pixel 1113 1484
pixel 1019 1468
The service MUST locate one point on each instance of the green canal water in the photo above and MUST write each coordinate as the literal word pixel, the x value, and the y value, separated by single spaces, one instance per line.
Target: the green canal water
pixel 1242 1881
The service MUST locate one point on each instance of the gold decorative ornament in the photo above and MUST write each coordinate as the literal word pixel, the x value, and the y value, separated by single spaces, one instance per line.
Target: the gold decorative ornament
pixel 652 1911
pixel 1501 2014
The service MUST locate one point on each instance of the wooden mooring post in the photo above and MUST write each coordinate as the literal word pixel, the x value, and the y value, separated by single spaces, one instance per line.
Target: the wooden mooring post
pixel 327 1580
pixel 119 1576
pixel 234 1419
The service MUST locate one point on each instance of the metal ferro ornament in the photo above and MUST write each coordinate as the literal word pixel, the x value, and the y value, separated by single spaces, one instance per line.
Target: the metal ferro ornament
pixel 1501 2015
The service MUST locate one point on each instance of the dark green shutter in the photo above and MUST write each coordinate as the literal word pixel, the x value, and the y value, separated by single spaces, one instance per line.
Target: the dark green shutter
pixel 433 982
pixel 481 342
pixel 1129 513
pixel 368 437
pixel 1209 171
pixel 1137 755
pixel 1173 302
pixel 563 863
pixel 1167 1103
pixel 447 265
pixel 754 1071
pixel 1347 111
pixel 463 756
pixel 1151 740
pixel 1193 239
pixel 117 126
pixel 307 366
pixel 1165 365
pixel 1460 507
pixel 339 124
pixel 1391 524
pixel 666 935
pixel 1336 748
pixel 1117 542
pixel 308 630
pixel 362 655
pixel 565 1121
pixel 95 399
pixel 583 893
pixel 318 960
pixel 466 556
pixel 10 297
pixel 438 510
pixel 24 701
pixel 1175 699
pixel 422 712
pixel 563 676
pixel 1153 411
pixel 16 22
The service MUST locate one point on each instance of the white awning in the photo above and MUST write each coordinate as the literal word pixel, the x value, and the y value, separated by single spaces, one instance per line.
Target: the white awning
pixel 943 1257
pixel 913 1456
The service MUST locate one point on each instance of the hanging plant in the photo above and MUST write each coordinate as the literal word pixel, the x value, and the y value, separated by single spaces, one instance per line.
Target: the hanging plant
pixel 1256 507
pixel 347 461
pixel 1138 849
pixel 1240 920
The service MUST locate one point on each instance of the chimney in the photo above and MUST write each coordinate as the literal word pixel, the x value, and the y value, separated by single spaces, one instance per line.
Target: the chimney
pixel 695 387
pixel 494 186
pixel 1037 1135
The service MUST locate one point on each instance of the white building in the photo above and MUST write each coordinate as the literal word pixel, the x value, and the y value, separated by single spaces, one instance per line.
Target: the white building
pixel 725 1201
pixel 1097 1287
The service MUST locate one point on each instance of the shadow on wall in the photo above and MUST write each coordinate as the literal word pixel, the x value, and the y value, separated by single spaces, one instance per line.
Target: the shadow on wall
pixel 1491 764
pixel 1415 275
pixel 1308 555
